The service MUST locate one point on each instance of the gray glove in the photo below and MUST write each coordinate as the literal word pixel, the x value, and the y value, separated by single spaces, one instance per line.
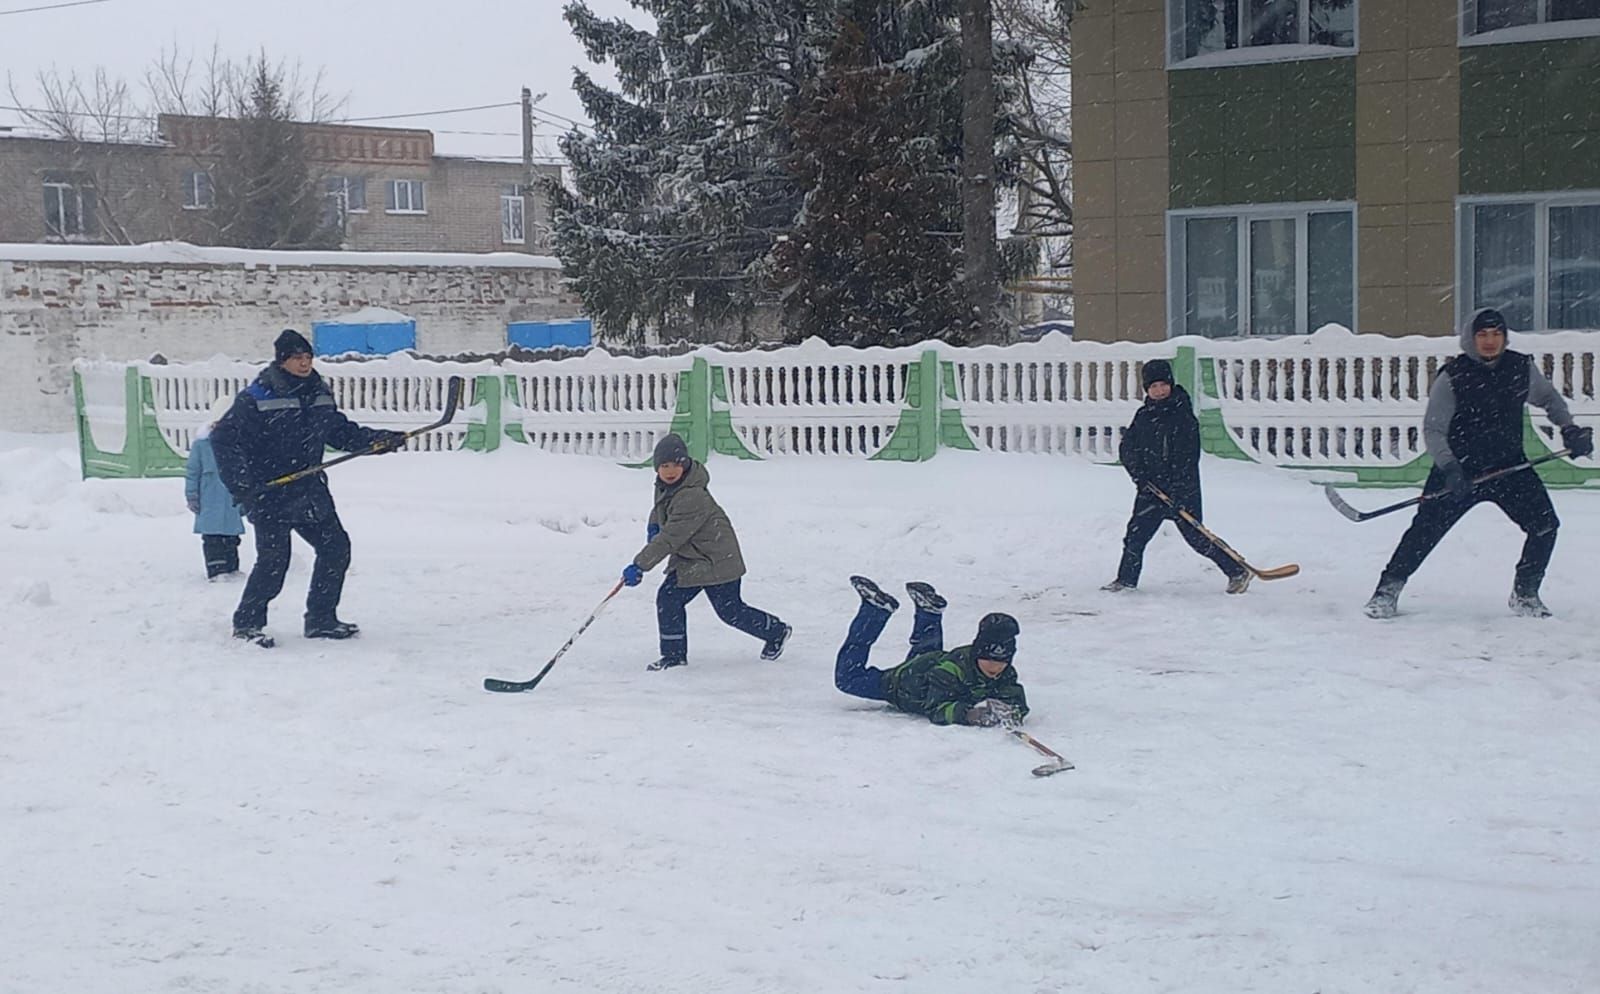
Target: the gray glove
pixel 990 712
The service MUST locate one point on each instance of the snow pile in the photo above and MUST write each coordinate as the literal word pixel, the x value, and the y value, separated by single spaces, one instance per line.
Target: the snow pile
pixel 1273 793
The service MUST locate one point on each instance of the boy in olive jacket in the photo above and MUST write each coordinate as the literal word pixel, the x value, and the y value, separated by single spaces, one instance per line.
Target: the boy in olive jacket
pixel 688 525
pixel 971 685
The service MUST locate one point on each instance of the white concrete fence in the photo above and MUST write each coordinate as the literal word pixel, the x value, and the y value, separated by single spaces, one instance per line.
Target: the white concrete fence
pixel 1350 405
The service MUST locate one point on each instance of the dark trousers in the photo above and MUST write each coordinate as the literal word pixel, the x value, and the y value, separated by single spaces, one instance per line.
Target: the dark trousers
pixel 1148 513
pixel 332 545
pixel 851 673
pixel 222 554
pixel 1520 495
pixel 672 620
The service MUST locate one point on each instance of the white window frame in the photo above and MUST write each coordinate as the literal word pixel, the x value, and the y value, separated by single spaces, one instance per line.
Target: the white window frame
pixel 416 196
pixel 1541 30
pixel 514 212
pixel 1246 55
pixel 1243 214
pixel 193 189
pixel 1541 202
pixel 63 189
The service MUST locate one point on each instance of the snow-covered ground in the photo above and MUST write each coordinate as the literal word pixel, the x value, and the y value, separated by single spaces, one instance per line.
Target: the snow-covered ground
pixel 1273 793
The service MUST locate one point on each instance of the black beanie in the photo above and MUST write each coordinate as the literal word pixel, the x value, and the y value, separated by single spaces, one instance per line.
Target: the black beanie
pixel 1156 371
pixel 671 448
pixel 290 343
pixel 1488 318
pixel 997 637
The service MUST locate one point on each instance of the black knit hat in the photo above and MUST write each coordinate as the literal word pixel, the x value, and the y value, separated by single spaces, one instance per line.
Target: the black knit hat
pixel 1488 318
pixel 1156 371
pixel 997 637
pixel 671 448
pixel 290 343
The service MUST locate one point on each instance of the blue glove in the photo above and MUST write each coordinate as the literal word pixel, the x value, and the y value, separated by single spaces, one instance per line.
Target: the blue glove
pixel 1455 480
pixel 651 531
pixel 632 575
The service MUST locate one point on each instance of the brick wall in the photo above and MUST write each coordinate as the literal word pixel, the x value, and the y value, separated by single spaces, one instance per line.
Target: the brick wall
pixel 52 312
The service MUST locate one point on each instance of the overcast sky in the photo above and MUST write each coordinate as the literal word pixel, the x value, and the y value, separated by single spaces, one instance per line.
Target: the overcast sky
pixel 397 57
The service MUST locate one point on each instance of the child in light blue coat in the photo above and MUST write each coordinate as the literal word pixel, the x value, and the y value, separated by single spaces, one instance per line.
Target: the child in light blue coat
pixel 216 517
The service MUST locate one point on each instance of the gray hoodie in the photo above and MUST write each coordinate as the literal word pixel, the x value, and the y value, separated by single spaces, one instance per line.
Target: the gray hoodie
pixel 1442 398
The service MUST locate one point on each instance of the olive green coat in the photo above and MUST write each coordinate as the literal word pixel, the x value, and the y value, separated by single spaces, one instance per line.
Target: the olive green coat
pixel 695 532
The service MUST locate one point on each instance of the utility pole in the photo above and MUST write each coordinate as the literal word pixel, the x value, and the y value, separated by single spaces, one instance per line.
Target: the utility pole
pixel 527 139
pixel 980 254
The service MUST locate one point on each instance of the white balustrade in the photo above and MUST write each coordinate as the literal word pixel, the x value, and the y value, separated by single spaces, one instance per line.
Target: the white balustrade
pixel 1331 399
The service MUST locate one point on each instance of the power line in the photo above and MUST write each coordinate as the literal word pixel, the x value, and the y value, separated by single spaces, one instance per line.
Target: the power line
pixel 427 113
pixel 52 6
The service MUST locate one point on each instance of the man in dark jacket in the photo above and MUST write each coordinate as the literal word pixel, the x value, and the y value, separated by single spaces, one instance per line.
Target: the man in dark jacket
pixel 281 423
pixel 1162 447
pixel 687 524
pixel 971 685
pixel 1473 426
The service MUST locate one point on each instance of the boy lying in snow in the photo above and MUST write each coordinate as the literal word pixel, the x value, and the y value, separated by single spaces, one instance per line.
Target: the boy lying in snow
pixel 971 685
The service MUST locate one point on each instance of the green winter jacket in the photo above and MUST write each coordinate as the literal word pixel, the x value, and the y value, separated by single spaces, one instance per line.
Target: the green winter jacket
pixel 695 532
pixel 942 684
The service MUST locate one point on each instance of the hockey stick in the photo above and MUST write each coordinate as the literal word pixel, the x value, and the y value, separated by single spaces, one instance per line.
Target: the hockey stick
pixel 451 401
pixel 1058 763
pixel 1275 573
pixel 1340 505
pixel 518 686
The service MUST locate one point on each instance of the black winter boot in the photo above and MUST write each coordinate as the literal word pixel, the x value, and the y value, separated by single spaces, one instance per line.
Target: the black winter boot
pixel 925 597
pixel 332 628
pixel 873 594
pixel 1385 601
pixel 666 663
pixel 774 647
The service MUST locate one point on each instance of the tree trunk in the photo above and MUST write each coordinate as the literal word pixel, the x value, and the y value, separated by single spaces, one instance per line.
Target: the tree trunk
pixel 981 262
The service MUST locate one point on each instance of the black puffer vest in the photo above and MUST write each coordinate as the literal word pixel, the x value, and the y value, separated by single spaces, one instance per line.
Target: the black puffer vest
pixel 1486 430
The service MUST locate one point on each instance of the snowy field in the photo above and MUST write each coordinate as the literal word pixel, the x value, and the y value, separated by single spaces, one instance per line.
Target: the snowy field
pixel 1273 793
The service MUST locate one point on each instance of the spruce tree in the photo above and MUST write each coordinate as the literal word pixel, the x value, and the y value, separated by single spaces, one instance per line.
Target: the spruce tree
pixel 680 191
pixel 876 258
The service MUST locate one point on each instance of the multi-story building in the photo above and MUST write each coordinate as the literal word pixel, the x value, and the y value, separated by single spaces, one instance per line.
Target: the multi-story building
pixel 1264 167
pixel 385 189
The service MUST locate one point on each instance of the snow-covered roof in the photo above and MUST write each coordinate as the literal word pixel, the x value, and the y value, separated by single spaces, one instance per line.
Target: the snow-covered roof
pixel 174 253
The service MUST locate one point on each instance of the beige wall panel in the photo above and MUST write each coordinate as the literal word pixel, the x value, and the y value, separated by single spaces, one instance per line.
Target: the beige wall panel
pixel 1383 310
pixel 1142 129
pixel 1433 110
pixel 1381 174
pixel 1094 186
pixel 1430 254
pixel 1380 113
pixel 1142 186
pixel 1094 134
pixel 1381 256
pixel 1141 264
pixel 1096 316
pixel 1141 317
pixel 1430 310
pixel 1148 84
pixel 1140 41
pixel 1431 170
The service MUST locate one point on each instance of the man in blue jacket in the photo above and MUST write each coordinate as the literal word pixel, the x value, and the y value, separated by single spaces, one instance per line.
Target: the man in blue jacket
pixel 281 423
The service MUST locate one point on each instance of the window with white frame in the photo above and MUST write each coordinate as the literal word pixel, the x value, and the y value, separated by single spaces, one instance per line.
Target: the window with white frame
pixel 1535 259
pixel 1270 269
pixel 404 196
pixel 1259 29
pixel 1522 19
pixel 513 209
pixel 198 191
pixel 69 207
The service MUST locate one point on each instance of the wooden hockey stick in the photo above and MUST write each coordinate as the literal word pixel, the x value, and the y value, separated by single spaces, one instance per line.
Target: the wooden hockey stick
pixel 1058 763
pixel 1275 573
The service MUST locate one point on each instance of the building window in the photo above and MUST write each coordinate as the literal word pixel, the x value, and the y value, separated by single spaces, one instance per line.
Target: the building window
pixel 404 196
pixel 198 192
pixel 1535 259
pixel 342 196
pixel 1525 20
pixel 1271 269
pixel 513 209
pixel 351 192
pixel 69 207
pixel 1259 30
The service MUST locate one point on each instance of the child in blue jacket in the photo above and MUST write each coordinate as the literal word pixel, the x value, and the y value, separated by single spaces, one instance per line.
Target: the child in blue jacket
pixel 216 517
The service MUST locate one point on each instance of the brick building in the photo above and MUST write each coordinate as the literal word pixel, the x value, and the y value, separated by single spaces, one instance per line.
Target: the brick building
pixel 1261 167
pixel 386 190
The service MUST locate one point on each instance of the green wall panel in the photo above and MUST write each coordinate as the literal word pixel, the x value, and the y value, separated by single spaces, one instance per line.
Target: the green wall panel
pixel 1272 133
pixel 1530 116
